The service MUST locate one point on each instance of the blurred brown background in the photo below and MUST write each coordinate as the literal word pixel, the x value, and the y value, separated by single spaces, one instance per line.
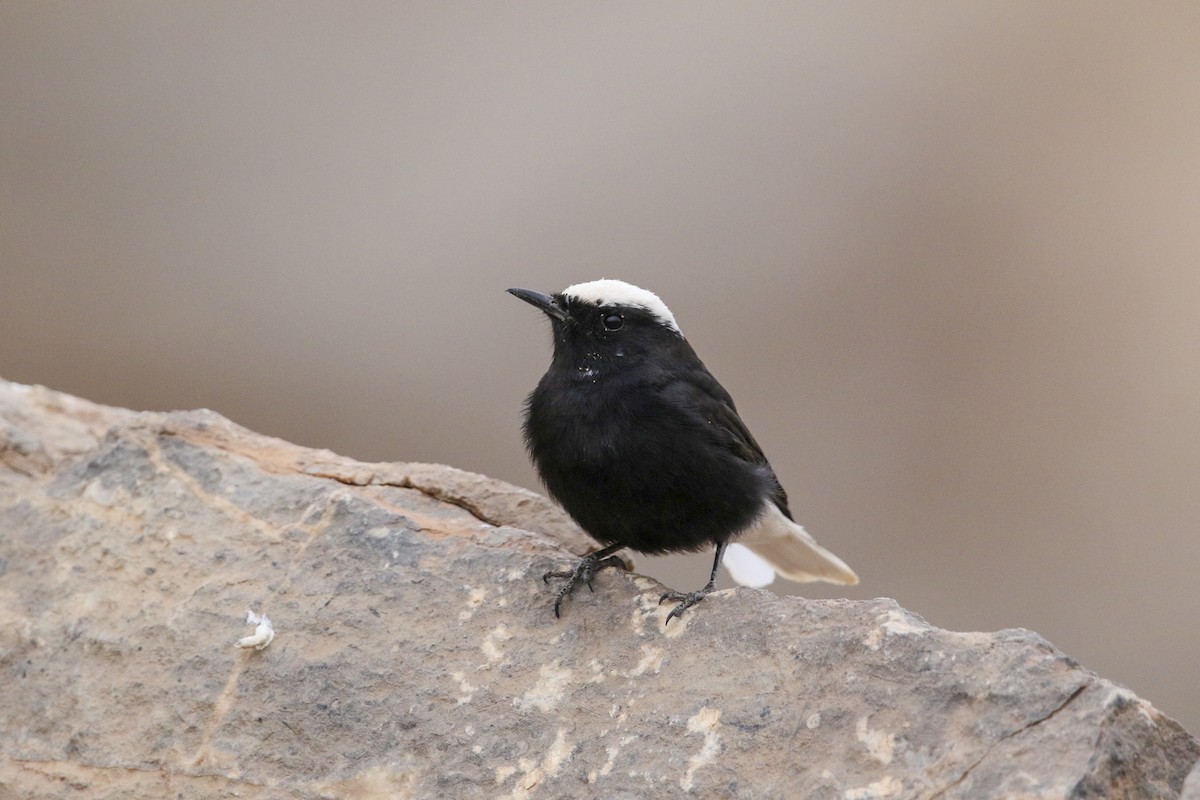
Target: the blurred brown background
pixel 945 255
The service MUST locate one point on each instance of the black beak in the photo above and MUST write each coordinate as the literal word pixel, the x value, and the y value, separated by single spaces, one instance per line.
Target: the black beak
pixel 542 301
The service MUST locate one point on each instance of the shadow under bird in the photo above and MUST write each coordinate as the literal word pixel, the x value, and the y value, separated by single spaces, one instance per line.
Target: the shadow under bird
pixel 642 446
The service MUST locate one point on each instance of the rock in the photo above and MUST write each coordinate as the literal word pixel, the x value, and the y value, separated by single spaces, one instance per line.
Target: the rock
pixel 416 655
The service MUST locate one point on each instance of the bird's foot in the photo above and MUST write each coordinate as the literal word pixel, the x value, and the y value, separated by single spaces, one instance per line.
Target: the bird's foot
pixel 584 571
pixel 686 601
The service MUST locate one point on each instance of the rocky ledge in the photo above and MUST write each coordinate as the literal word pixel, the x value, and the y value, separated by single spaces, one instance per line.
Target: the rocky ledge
pixel 411 650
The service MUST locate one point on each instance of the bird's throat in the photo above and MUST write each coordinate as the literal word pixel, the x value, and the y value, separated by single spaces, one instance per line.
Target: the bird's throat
pixel 591 365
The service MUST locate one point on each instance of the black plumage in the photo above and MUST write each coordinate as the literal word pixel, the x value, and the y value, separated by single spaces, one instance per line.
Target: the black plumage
pixel 634 437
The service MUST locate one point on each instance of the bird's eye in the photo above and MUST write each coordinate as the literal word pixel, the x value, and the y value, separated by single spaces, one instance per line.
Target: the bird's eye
pixel 613 322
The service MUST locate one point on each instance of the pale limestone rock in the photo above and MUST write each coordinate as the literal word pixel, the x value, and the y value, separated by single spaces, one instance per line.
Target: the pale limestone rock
pixel 416 653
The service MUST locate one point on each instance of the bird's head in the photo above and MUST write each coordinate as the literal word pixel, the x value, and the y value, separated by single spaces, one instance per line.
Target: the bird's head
pixel 605 324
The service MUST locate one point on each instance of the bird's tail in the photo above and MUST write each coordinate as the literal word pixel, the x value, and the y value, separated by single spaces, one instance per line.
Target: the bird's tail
pixel 791 552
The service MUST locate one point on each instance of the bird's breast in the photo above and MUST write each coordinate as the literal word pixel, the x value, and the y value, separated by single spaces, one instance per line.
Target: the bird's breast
pixel 631 467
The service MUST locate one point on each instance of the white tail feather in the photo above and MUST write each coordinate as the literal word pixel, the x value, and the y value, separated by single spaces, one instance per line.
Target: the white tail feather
pixel 746 567
pixel 792 552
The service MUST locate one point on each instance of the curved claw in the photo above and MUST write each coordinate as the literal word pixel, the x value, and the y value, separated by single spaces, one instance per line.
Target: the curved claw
pixel 677 611
pixel 584 572
pixel 686 601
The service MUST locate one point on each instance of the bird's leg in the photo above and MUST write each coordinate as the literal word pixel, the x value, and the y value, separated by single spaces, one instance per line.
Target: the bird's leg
pixel 689 599
pixel 584 571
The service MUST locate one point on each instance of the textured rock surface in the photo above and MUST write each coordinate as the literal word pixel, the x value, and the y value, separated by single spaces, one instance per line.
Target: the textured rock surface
pixel 417 656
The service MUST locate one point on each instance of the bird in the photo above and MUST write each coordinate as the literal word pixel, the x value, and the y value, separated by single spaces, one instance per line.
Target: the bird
pixel 638 442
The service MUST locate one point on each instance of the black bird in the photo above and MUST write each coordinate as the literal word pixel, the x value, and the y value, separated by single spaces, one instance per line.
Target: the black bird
pixel 644 449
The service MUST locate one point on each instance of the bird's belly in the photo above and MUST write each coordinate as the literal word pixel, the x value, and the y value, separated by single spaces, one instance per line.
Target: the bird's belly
pixel 647 484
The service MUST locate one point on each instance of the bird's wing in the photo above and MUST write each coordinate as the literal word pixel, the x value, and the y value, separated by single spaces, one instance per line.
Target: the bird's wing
pixel 774 536
pixel 699 391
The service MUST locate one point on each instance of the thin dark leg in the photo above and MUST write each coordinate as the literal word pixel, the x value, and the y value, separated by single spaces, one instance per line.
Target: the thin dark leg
pixel 689 599
pixel 584 571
